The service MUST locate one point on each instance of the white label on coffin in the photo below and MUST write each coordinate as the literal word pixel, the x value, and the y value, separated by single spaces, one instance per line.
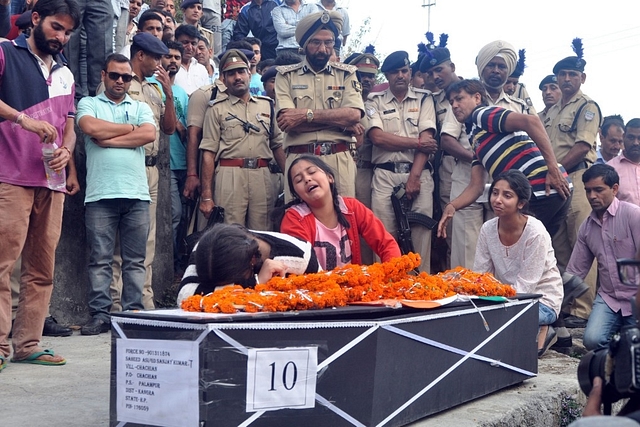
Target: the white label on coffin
pixel 157 382
pixel 281 378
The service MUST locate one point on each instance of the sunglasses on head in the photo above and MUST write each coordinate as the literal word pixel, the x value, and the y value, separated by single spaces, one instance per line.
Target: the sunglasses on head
pixel 115 76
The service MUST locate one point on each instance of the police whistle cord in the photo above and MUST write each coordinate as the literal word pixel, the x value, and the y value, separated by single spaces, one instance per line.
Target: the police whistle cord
pixel 245 124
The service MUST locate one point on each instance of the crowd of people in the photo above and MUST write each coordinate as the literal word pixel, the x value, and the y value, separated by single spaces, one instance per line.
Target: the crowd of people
pixel 253 99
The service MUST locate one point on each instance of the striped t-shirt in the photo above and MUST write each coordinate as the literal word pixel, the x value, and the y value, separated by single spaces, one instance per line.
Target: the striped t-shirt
pixel 498 150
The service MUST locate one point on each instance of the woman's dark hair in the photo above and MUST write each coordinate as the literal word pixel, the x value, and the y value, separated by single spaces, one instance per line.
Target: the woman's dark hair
pixel 518 183
pixel 608 174
pixel 316 161
pixel 227 254
pixel 54 7
pixel 471 86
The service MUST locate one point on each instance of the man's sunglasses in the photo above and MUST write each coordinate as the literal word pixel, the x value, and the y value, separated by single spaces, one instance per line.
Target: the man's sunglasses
pixel 115 76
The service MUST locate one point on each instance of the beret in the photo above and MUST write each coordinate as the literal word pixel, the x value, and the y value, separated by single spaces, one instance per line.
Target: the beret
pixel 434 57
pixel 395 60
pixel 268 74
pixel 150 44
pixel 186 3
pixel 551 78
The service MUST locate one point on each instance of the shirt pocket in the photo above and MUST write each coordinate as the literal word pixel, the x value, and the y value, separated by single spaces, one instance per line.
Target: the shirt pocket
pixel 623 244
pixel 303 98
pixel 232 130
pixel 391 122
pixel 566 125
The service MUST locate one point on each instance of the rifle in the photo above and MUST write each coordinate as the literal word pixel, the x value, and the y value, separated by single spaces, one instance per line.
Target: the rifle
pixel 405 218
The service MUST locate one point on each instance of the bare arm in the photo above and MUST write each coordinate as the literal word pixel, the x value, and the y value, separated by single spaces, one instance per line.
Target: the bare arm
pixel 169 119
pixel 453 147
pixel 206 183
pixel 534 128
pixel 576 155
pixel 102 129
pixel 391 142
pixel 468 196
pixel 62 156
pixel 142 135
pixel 194 134
pixel 42 128
pixel 295 119
pixel 280 157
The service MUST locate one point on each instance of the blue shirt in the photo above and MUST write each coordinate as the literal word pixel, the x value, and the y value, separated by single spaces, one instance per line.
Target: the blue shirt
pixel 177 148
pixel 114 173
pixel 255 85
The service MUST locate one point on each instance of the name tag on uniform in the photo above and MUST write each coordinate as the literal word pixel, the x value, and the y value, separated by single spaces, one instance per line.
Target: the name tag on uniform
pixel 389 111
pixel 413 110
pixel 299 86
pixel 444 110
pixel 335 87
pixel 134 92
pixel 265 115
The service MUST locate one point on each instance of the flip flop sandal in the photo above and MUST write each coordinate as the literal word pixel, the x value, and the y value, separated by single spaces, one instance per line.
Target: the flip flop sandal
pixel 33 359
pixel 3 363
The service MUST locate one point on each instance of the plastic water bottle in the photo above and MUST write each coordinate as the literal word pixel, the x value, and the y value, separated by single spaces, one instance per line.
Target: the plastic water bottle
pixel 55 180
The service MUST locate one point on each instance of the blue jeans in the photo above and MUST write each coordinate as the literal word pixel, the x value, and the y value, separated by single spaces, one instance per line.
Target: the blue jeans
pixel 546 315
pixel 603 323
pixel 103 219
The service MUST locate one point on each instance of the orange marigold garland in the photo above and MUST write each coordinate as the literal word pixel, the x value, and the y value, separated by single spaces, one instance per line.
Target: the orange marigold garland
pixel 350 283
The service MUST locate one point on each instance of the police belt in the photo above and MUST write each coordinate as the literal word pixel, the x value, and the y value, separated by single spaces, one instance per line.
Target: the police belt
pixel 246 163
pixel 582 165
pixel 400 167
pixel 319 148
pixel 150 160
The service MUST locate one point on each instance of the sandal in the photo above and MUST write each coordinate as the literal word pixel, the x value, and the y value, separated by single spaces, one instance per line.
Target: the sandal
pixel 3 363
pixel 33 359
pixel 550 338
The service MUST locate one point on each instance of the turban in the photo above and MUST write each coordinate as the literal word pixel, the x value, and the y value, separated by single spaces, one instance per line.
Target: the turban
pixel 311 24
pixel 497 48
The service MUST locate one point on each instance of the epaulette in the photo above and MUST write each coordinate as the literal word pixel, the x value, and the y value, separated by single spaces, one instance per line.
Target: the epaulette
pixel 283 69
pixel 263 97
pixel 518 100
pixel 344 67
pixel 372 94
pixel 422 91
pixel 217 101
pixel 206 30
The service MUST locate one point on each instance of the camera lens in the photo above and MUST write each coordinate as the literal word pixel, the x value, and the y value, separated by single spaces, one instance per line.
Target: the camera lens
pixel 592 365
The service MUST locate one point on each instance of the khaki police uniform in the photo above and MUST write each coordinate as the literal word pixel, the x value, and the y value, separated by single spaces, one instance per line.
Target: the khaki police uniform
pixel 466 223
pixel 408 118
pixel 563 136
pixel 335 86
pixel 149 93
pixel 522 94
pixel 447 162
pixel 242 180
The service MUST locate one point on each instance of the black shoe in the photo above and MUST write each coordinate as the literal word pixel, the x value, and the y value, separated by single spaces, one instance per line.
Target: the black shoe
pixel 95 327
pixel 53 329
pixel 573 286
pixel 575 322
pixel 563 342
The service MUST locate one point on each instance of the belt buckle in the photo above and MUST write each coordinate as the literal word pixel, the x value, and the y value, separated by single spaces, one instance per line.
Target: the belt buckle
pixel 401 167
pixel 321 148
pixel 250 163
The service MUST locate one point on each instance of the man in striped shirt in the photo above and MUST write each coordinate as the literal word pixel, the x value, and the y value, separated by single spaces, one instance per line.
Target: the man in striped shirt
pixel 502 140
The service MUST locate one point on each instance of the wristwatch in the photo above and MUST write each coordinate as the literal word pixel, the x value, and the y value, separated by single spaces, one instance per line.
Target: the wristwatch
pixel 309 115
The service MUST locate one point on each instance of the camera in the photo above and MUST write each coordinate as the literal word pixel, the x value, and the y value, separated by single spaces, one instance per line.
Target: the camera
pixel 618 365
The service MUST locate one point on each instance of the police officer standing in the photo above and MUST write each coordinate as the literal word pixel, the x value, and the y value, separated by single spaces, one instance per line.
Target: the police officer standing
pixel 551 94
pixel 514 88
pixel 241 136
pixel 402 127
pixel 572 129
pixel 319 103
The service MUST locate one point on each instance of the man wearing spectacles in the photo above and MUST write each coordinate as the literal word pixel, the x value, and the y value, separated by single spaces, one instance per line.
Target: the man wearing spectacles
pixel 628 164
pixel 610 232
pixel 319 103
pixel 117 197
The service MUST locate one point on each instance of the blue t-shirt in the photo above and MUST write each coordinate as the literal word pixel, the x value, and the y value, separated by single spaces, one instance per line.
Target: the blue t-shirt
pixel 114 173
pixel 255 85
pixel 178 148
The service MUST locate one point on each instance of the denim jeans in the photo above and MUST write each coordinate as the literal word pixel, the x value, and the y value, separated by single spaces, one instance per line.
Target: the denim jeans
pixel 103 219
pixel 603 323
pixel 546 315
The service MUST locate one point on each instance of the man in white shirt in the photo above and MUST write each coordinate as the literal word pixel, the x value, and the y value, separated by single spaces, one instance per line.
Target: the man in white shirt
pixel 191 75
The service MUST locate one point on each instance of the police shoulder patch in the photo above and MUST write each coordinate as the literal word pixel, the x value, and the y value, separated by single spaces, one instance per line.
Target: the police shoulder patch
pixel 589 115
pixel 344 67
pixel 357 86
pixel 283 69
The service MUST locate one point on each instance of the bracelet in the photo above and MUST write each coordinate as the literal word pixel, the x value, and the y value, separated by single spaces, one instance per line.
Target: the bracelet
pixel 67 148
pixel 192 174
pixel 19 118
pixel 206 200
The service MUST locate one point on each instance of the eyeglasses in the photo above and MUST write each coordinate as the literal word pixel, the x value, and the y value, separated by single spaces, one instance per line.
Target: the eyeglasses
pixel 629 271
pixel 317 43
pixel 115 76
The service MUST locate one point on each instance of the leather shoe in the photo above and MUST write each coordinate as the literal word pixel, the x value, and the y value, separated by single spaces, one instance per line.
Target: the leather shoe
pixel 53 329
pixel 563 342
pixel 95 327
pixel 575 322
pixel 573 286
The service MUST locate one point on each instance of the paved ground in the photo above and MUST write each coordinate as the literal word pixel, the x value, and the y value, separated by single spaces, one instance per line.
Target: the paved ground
pixel 77 394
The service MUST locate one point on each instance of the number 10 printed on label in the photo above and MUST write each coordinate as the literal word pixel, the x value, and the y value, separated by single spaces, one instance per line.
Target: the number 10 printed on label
pixel 281 378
